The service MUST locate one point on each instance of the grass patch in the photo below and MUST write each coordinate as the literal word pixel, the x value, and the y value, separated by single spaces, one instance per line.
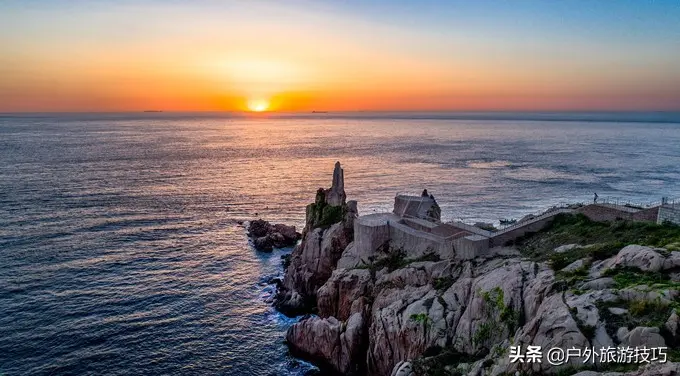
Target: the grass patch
pixel 395 258
pixel 320 214
pixel 627 277
pixel 443 283
pixel 497 315
pixel 569 279
pixel 608 237
pixel 421 318
pixel 640 313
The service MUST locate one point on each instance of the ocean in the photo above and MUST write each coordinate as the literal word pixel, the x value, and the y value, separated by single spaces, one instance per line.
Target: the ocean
pixel 121 251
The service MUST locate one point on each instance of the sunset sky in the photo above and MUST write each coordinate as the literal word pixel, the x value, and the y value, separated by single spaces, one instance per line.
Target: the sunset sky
pixel 339 55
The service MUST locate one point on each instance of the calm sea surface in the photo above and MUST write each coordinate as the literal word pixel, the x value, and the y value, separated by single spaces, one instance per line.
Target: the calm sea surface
pixel 121 252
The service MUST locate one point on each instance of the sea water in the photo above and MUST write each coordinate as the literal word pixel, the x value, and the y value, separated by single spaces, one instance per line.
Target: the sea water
pixel 121 249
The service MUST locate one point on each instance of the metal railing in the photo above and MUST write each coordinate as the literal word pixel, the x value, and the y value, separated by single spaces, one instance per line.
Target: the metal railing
pixel 671 202
pixel 546 214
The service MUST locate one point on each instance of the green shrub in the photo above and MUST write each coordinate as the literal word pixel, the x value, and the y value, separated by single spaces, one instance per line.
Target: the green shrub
pixel 627 277
pixel 607 238
pixel 443 284
pixel 330 215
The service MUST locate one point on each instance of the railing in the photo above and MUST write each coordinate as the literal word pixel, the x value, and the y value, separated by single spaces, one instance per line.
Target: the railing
pixel 628 203
pixel 549 213
pixel 671 202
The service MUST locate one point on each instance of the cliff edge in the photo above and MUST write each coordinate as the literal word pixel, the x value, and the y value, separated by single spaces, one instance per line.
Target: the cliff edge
pixel 406 313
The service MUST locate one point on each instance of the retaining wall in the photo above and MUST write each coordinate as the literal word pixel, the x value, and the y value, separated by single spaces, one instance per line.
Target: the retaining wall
pixel 669 214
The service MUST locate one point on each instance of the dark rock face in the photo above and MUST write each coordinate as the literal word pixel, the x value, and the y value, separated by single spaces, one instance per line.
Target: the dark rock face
pixel 267 236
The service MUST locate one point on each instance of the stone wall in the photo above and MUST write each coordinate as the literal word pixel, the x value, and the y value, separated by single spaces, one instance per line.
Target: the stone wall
pixel 601 213
pixel 417 243
pixel 522 229
pixel 610 212
pixel 370 232
pixel 668 213
pixel 469 247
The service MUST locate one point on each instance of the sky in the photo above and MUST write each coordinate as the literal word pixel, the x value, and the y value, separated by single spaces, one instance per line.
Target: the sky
pixel 295 55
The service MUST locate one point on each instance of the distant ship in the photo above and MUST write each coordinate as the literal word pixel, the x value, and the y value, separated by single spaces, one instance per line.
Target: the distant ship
pixel 153 111
pixel 319 112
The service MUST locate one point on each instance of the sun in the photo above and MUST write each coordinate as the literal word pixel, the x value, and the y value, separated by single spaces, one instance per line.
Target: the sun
pixel 258 105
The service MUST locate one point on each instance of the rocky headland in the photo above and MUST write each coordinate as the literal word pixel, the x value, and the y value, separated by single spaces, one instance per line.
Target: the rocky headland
pixel 395 308
pixel 266 236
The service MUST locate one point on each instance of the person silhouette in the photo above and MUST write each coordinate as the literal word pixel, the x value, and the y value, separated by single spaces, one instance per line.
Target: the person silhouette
pixel 595 198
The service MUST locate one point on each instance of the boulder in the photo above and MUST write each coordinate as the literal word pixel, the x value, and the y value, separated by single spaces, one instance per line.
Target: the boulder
pixel 617 311
pixel 258 228
pixel 264 243
pixel 267 236
pixel 331 343
pixel 672 261
pixel 621 333
pixel 578 264
pixel 598 284
pixel 566 248
pixel 644 336
pixel 403 369
pixel 641 257
pixel 552 326
pixel 644 292
pixel 672 326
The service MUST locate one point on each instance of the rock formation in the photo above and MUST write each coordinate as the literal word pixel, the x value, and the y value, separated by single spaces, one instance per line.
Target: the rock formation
pixel 335 196
pixel 329 229
pixel 266 236
pixel 422 316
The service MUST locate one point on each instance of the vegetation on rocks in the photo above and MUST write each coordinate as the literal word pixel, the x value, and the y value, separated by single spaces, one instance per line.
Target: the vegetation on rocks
pixel 320 214
pixel 605 239
pixel 627 277
pixel 497 315
pixel 640 313
pixel 395 258
pixel 421 318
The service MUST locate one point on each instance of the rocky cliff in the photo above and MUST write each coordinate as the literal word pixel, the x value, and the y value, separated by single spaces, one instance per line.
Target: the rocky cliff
pixel 329 229
pixel 428 316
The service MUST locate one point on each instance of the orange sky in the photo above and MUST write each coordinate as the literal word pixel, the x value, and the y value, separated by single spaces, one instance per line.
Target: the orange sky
pixel 216 57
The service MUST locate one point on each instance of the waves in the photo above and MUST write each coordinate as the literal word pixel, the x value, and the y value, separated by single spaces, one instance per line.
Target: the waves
pixel 120 249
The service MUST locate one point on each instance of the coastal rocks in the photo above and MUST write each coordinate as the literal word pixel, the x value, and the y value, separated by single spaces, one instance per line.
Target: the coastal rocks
pixel 566 248
pixel 552 326
pixel 267 236
pixel 641 257
pixel 672 261
pixel 578 264
pixel 345 293
pixel 333 344
pixel 403 369
pixel 644 336
pixel 386 308
pixel 479 307
pixel 672 326
pixel 598 284
pixel 645 293
pixel 328 231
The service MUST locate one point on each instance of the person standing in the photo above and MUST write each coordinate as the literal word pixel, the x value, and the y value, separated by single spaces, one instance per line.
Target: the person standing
pixel 595 198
